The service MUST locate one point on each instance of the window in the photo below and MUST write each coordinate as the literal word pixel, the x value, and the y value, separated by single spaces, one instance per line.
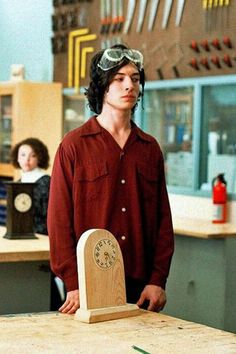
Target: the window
pixel 218 135
pixel 194 121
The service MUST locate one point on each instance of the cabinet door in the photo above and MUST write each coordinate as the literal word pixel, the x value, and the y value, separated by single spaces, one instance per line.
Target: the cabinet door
pixel 6 130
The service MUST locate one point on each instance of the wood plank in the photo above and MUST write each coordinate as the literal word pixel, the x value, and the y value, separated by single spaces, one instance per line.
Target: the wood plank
pixel 23 250
pixel 152 332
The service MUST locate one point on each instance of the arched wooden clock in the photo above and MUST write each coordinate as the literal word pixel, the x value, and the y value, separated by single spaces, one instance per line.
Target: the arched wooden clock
pixel 101 278
pixel 20 210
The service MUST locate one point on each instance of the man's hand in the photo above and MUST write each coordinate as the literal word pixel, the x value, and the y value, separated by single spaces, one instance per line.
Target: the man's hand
pixel 156 297
pixel 72 302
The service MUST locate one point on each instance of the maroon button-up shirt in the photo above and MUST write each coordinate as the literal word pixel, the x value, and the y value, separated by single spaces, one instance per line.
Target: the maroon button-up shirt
pixel 96 184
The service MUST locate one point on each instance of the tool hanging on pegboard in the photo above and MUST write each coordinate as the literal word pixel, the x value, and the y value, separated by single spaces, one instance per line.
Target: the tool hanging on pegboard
pixel 141 15
pixel 166 13
pixel 179 12
pixel 130 15
pixel 152 14
pixel 117 21
pixel 216 14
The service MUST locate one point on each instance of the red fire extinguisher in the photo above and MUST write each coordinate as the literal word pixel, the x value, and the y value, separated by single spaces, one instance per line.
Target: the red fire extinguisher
pixel 219 196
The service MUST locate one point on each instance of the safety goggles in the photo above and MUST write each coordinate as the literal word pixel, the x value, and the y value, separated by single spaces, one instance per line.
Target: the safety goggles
pixel 114 56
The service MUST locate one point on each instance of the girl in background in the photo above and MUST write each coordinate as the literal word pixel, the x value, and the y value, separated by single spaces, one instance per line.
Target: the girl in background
pixel 32 157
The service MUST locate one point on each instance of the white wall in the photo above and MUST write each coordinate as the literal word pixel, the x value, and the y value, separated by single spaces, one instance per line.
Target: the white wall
pixel 25 38
pixel 198 207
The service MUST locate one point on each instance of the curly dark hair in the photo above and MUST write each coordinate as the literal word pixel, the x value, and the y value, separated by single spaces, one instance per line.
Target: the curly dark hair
pixel 40 150
pixel 100 80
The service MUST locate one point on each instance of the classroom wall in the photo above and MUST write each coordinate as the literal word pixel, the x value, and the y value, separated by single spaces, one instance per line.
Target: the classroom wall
pixel 25 38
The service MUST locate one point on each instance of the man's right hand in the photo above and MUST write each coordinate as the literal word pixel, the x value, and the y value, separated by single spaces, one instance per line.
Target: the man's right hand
pixel 72 302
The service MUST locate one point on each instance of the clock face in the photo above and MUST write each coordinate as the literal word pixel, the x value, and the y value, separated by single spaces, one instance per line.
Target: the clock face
pixel 105 253
pixel 22 202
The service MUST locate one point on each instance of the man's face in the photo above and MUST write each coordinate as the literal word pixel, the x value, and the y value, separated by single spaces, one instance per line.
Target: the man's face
pixel 27 158
pixel 123 90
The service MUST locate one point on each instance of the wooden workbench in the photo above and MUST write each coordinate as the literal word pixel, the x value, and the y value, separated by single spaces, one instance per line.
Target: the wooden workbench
pixel 25 277
pixel 23 250
pixel 151 332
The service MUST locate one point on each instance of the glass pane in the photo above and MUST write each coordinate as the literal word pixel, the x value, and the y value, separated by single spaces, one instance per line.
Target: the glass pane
pixel 168 116
pixel 5 128
pixel 74 112
pixel 219 135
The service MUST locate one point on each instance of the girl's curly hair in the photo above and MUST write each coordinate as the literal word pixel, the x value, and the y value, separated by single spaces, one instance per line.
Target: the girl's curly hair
pixel 100 81
pixel 39 148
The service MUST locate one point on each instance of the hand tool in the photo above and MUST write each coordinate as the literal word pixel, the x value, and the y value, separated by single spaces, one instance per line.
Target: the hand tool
pixel 117 15
pixel 216 61
pixel 179 12
pixel 77 73
pixel 103 16
pixel 216 43
pixel 227 42
pixel 167 9
pixel 120 15
pixel 205 63
pixel 72 36
pixel 114 18
pixel 227 60
pixel 205 45
pixel 108 16
pixel 194 64
pixel 152 15
pixel 141 15
pixel 130 14
pixel 194 46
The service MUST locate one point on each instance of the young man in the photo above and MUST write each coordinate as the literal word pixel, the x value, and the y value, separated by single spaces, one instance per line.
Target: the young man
pixel 109 174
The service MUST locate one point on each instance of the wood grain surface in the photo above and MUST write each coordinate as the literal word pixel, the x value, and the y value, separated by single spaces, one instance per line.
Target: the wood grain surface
pixel 153 333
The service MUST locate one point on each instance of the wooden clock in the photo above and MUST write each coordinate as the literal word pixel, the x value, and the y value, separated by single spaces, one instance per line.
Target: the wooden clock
pixel 101 278
pixel 20 223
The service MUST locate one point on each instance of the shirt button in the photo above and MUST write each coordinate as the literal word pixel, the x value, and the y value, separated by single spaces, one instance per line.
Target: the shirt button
pixel 124 210
pixel 123 181
pixel 123 237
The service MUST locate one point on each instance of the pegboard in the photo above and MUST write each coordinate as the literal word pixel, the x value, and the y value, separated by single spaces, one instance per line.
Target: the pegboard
pixel 202 45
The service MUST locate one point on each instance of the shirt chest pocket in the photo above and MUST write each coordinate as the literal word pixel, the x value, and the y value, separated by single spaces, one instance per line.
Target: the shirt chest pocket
pixel 148 181
pixel 92 180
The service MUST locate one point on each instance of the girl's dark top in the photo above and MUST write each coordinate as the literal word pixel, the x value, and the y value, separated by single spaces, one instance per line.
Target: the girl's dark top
pixel 41 193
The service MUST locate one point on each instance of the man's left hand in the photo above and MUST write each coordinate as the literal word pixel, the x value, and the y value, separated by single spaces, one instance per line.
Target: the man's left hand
pixel 156 297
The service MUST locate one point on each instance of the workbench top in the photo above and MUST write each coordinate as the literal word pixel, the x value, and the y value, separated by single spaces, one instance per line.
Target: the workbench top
pixel 153 333
pixel 202 228
pixel 23 250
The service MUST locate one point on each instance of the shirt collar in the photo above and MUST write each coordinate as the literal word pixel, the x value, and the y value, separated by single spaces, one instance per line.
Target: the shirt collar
pixel 92 127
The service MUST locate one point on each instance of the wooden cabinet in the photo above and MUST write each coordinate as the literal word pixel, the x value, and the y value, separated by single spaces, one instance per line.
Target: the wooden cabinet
pixel 29 109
